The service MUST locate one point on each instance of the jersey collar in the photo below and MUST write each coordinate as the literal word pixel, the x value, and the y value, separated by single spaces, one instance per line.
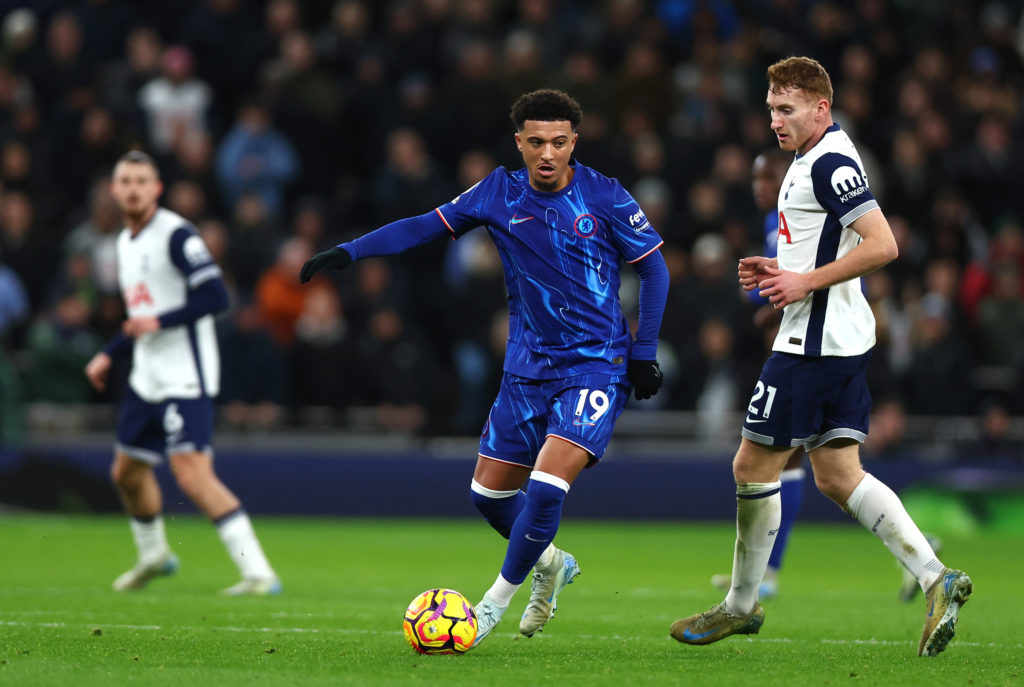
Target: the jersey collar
pixel 834 127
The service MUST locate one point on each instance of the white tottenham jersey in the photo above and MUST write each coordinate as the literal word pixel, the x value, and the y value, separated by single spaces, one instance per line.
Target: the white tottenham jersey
pixel 824 192
pixel 156 269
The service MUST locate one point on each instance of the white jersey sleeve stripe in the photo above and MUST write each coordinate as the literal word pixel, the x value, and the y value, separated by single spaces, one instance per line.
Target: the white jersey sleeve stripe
pixel 203 275
pixel 858 212
pixel 660 243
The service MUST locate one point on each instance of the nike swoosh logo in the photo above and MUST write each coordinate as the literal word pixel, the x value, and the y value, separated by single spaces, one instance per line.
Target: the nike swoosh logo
pixel 517 220
pixel 690 635
pixel 541 541
pixel 753 421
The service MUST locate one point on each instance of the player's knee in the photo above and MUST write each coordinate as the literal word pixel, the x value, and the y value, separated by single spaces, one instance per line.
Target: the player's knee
pixel 499 508
pixel 746 472
pixel 117 474
pixel 128 475
pixel 191 471
pixel 831 486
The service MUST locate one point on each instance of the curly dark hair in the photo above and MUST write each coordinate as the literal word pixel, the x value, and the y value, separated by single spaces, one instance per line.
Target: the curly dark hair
pixel 546 105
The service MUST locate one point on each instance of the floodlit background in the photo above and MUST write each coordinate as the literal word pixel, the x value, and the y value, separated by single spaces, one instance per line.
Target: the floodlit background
pixel 283 127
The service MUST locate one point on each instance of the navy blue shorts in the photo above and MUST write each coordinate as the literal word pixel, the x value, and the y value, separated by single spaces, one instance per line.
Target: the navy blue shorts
pixel 581 410
pixel 807 401
pixel 150 431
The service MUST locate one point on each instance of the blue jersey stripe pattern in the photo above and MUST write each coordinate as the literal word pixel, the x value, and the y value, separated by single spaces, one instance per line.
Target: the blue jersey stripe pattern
pixel 562 252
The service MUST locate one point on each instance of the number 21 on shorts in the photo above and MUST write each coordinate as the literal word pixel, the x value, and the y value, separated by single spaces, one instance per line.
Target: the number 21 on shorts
pixel 761 392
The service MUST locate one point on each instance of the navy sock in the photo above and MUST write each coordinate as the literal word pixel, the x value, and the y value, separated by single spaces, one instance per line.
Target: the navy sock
pixel 534 529
pixel 499 508
pixel 792 493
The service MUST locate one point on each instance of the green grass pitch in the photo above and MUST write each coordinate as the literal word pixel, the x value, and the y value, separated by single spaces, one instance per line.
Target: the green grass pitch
pixel 347 582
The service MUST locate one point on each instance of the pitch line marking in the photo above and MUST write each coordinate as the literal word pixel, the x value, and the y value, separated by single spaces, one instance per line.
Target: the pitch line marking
pixel 315 630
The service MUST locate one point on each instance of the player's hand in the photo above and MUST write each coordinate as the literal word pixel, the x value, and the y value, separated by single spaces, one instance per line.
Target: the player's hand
pixel 137 326
pixel 336 258
pixel 97 371
pixel 783 287
pixel 646 377
pixel 752 270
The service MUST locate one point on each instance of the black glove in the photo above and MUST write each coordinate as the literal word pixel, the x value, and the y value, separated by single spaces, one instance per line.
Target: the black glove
pixel 646 378
pixel 336 258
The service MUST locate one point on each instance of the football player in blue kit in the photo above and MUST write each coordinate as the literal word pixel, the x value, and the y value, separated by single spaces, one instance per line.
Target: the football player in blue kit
pixel 562 230
pixel 172 289
pixel 812 392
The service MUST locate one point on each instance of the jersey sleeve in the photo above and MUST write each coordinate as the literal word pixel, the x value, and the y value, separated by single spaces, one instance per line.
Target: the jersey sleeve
pixel 841 187
pixel 190 255
pixel 631 232
pixel 468 209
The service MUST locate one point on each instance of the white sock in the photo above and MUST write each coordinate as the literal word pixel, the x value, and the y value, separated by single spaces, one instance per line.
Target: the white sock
pixel 547 557
pixel 758 514
pixel 879 509
pixel 150 539
pixel 502 591
pixel 244 548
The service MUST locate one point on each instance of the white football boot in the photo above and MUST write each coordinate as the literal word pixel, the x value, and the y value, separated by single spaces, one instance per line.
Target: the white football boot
pixel 254 586
pixel 547 584
pixel 488 615
pixel 144 571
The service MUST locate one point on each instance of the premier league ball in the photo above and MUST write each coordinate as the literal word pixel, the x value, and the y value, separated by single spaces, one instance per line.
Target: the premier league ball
pixel 440 621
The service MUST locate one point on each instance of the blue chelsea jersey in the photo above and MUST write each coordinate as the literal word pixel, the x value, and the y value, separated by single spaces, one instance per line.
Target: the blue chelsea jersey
pixel 561 253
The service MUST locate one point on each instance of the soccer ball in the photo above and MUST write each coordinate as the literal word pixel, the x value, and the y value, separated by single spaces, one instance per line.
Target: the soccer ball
pixel 440 621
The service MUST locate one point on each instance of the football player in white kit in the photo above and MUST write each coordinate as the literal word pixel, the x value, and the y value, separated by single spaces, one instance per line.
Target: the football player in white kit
pixel 172 289
pixel 812 392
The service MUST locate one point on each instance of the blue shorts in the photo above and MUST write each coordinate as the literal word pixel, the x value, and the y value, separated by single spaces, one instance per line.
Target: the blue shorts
pixel 807 401
pixel 149 431
pixel 581 410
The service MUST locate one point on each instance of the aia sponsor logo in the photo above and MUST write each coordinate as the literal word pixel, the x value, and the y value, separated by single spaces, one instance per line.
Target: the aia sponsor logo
pixel 585 226
pixel 784 229
pixel 137 295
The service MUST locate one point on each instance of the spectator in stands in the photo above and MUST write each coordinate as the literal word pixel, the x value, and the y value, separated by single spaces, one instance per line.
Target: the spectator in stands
pixel 119 81
pixel 60 343
pixel 995 442
pixel 176 102
pixel 78 85
pixel 251 401
pixel 280 296
pixel 939 379
pixel 254 235
pixel 23 246
pixel 255 158
pixel 1001 320
pixel 323 358
pixel 96 236
pixel 396 372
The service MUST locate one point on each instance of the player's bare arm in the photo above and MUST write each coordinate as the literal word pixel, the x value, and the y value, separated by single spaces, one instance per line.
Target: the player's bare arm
pixel 97 370
pixel 876 249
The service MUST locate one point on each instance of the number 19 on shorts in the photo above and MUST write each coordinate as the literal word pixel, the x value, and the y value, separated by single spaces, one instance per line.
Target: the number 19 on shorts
pixel 592 404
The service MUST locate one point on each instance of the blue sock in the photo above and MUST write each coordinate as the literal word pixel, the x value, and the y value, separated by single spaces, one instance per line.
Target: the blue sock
pixel 535 527
pixel 792 493
pixel 499 508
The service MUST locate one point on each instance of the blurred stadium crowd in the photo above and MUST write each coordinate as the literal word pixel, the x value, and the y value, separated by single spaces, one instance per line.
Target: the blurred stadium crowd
pixel 283 127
